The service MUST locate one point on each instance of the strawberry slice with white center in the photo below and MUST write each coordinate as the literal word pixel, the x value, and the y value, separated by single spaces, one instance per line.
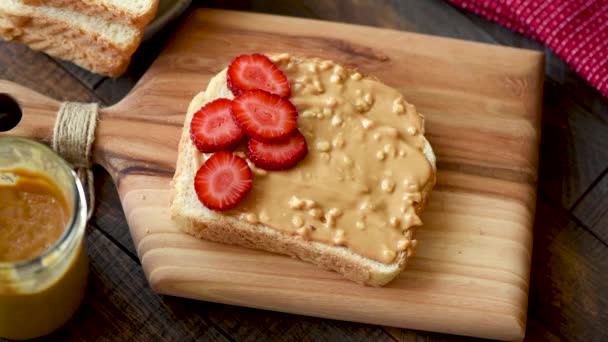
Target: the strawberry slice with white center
pixel 249 72
pixel 264 116
pixel 278 156
pixel 222 181
pixel 213 129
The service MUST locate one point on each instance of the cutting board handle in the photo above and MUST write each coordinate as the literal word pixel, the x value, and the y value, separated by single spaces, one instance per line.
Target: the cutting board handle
pixel 26 113
pixel 125 142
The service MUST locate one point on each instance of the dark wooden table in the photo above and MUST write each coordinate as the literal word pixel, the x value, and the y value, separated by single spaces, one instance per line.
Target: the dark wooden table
pixel 569 286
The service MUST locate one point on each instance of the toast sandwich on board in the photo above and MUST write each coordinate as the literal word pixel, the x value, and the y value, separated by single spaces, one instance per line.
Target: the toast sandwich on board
pixel 305 157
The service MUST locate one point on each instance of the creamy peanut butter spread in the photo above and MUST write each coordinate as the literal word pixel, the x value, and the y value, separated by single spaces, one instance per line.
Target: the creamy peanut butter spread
pixel 33 215
pixel 361 182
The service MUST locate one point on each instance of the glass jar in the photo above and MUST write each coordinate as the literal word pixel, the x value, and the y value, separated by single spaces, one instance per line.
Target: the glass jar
pixel 39 295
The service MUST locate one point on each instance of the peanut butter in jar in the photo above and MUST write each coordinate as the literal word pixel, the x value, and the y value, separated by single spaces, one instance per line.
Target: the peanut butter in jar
pixel 43 266
pixel 33 214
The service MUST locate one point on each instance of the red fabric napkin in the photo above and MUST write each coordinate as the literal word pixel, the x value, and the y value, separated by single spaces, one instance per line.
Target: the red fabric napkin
pixel 576 30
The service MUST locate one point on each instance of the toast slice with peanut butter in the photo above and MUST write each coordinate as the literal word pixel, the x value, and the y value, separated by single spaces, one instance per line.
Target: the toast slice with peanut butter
pixel 351 204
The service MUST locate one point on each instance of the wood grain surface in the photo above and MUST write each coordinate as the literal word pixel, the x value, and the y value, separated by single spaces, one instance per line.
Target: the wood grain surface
pixel 471 276
pixel 572 162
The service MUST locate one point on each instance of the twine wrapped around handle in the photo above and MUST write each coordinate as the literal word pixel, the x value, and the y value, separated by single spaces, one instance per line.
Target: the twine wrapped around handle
pixel 73 137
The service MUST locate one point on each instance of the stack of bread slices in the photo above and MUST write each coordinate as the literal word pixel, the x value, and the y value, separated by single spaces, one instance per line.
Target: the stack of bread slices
pixel 98 35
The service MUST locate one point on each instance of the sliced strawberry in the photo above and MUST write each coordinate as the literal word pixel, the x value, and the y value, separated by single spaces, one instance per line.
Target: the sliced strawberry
pixel 222 181
pixel 213 129
pixel 264 116
pixel 278 156
pixel 249 72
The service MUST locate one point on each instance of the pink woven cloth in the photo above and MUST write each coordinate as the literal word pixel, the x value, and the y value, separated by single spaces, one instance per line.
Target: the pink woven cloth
pixel 576 30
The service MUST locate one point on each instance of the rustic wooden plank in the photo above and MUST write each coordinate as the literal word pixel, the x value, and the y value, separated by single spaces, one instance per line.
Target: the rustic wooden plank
pixel 39 72
pixel 89 79
pixel 244 324
pixel 112 90
pixel 109 215
pixel 568 280
pixel 430 17
pixel 592 210
pixel 119 306
pixel 293 8
pixel 406 335
pixel 574 150
pixel 434 17
pixel 536 331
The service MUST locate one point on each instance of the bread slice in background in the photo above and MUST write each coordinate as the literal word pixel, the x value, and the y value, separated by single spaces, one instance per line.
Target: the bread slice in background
pixel 134 12
pixel 62 45
pixel 125 38
pixel 194 218
pixel 96 44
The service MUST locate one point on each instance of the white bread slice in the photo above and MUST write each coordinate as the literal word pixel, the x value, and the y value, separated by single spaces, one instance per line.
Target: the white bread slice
pixel 40 36
pixel 134 12
pixel 122 37
pixel 194 218
pixel 95 44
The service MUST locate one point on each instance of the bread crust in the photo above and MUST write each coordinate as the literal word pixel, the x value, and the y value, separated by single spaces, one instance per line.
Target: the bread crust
pixel 216 227
pixel 96 9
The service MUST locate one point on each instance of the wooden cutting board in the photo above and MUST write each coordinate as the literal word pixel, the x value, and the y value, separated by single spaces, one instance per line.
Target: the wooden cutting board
pixel 482 104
